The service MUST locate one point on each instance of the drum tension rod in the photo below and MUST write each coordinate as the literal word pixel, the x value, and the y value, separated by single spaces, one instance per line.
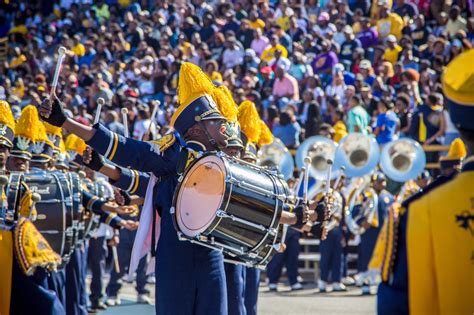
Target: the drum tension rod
pixel 223 214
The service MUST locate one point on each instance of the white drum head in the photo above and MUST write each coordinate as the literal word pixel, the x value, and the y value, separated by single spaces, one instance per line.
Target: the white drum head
pixel 200 195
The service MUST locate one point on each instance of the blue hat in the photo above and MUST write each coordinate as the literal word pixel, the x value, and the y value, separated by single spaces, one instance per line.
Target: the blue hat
pixel 458 87
pixel 202 108
pixel 194 97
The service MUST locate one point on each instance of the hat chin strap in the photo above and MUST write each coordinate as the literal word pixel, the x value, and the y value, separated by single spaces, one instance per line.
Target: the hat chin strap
pixel 211 140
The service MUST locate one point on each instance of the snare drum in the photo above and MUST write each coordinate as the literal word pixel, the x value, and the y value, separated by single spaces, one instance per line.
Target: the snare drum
pixel 228 204
pixel 54 211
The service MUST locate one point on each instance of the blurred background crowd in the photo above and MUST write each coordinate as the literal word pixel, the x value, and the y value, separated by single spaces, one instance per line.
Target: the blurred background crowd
pixel 312 67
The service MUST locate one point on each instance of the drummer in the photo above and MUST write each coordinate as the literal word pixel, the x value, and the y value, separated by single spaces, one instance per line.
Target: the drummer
pixel 7 133
pixel 193 281
pixel 20 154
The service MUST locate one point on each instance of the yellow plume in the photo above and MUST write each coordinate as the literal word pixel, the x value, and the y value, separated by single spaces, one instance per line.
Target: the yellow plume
pixel 225 103
pixel 53 130
pixel 62 146
pixel 41 134
pixel 266 136
pixel 76 144
pixel 6 116
pixel 28 122
pixel 249 121
pixel 457 150
pixel 192 83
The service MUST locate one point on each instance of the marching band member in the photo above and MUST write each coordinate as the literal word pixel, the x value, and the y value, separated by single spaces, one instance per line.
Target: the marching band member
pixel 24 253
pixel 7 132
pixel 425 250
pixel 369 237
pixel 193 279
pixel 331 250
pixel 20 155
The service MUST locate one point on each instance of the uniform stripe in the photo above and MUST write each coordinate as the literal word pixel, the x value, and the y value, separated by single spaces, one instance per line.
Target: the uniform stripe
pixel 132 182
pixel 109 147
pixel 114 150
pixel 137 180
pixel 110 217
pixel 91 202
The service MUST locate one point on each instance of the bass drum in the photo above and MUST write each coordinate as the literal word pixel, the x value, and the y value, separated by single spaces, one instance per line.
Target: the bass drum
pixel 54 211
pixel 227 204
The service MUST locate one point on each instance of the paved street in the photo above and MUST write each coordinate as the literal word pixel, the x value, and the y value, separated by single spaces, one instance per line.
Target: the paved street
pixel 307 301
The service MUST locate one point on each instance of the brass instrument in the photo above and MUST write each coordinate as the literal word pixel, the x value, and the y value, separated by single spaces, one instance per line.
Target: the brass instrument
pixel 402 161
pixel 359 155
pixel 277 156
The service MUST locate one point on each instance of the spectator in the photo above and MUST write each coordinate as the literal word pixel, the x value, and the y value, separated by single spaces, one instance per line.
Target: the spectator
pixel 287 130
pixel 387 124
pixel 393 50
pixel 388 22
pixel 456 22
pixel 368 36
pixel 285 85
pixel 357 118
pixel 325 60
pixel 348 46
pixel 259 43
pixel 340 129
pixel 269 52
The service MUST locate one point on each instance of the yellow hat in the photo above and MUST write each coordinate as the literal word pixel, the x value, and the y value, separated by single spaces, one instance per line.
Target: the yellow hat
pixel 7 125
pixel 456 153
pixel 249 121
pixel 75 146
pixel 25 132
pixel 42 148
pixel 458 86
pixel 225 103
pixel 54 133
pixel 194 99
pixel 266 136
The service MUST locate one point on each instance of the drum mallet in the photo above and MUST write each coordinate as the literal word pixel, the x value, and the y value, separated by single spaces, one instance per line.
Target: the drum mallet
pixel 115 257
pixel 152 118
pixel 100 103
pixel 124 112
pixel 35 198
pixel 61 55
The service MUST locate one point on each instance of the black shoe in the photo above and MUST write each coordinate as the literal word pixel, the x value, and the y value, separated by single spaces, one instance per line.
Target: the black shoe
pixel 97 306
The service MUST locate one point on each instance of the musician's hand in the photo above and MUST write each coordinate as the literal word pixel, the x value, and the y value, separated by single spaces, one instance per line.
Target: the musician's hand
pixel 129 225
pixel 92 159
pixel 52 112
pixel 301 212
pixel 114 241
pixel 324 233
pixel 307 227
pixel 366 225
pixel 322 213
pixel 126 210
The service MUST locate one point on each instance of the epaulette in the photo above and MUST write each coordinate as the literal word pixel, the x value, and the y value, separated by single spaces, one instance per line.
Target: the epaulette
pixel 32 250
pixel 440 180
pixel 161 145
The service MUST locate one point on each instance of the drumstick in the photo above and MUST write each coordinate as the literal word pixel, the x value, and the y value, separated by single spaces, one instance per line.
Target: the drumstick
pixel 152 118
pixel 124 112
pixel 307 162
pixel 115 257
pixel 100 103
pixel 61 55
pixel 341 173
pixel 328 190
